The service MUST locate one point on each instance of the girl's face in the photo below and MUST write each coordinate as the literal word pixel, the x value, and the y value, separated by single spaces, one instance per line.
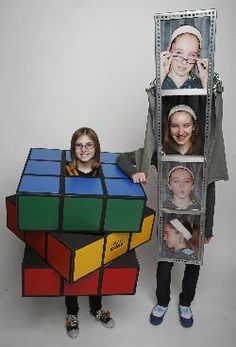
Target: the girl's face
pixel 181 128
pixel 84 149
pixel 181 183
pixel 170 236
pixel 185 50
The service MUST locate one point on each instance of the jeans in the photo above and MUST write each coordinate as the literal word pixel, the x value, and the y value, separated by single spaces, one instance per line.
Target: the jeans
pixel 72 306
pixel 189 283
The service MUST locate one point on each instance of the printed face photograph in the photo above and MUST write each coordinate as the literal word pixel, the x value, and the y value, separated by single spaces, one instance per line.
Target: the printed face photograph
pixel 184 55
pixel 182 186
pixel 181 237
pixel 183 125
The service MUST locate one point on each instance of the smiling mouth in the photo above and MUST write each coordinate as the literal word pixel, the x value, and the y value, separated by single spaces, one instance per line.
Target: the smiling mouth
pixel 181 138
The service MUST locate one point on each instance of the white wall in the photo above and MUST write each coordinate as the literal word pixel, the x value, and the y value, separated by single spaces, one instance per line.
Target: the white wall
pixel 71 63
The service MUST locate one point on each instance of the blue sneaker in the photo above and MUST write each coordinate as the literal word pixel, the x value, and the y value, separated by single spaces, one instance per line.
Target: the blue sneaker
pixel 157 314
pixel 185 316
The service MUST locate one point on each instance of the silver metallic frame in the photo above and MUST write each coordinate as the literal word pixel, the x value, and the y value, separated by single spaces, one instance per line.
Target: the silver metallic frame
pixel 161 157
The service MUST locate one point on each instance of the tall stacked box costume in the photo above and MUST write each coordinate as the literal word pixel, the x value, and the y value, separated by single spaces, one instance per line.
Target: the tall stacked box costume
pixel 206 167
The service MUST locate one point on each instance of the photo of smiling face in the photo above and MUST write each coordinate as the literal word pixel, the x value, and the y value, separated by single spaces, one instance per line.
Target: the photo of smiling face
pixel 185 51
pixel 181 184
pixel 181 130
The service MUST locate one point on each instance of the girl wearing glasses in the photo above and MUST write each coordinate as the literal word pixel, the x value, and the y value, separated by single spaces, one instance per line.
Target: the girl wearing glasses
pixel 85 162
pixel 178 63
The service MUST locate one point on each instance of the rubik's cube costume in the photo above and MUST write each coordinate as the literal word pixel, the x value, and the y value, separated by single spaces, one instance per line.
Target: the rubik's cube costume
pixel 80 233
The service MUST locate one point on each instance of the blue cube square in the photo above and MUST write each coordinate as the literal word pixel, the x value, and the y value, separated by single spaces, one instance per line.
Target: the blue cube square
pixel 123 187
pixel 83 186
pixel 112 171
pixel 45 154
pixel 39 184
pixel 39 167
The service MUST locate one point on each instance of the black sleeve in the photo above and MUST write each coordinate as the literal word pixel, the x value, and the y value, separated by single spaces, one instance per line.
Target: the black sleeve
pixel 126 162
pixel 210 209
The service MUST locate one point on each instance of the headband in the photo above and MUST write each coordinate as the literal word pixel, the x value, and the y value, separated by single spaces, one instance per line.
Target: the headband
pixel 181 228
pixel 185 108
pixel 183 30
pixel 182 168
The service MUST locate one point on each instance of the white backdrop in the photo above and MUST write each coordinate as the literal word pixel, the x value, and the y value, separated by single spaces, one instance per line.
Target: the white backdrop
pixel 71 63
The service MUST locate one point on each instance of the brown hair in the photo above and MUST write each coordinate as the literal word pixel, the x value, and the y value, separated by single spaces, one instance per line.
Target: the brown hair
pixel 170 146
pixel 93 137
pixel 194 241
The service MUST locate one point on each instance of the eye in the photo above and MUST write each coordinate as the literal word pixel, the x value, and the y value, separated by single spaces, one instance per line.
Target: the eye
pixel 178 51
pixel 193 55
pixel 187 125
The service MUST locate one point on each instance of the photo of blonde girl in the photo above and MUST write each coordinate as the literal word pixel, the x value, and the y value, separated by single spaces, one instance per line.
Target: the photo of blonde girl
pixel 181 65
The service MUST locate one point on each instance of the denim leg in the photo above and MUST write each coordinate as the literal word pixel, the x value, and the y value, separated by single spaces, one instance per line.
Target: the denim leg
pixel 189 284
pixel 163 282
pixel 95 303
pixel 72 306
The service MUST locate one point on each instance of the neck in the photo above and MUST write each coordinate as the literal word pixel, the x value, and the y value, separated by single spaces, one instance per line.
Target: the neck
pixel 84 167
pixel 179 80
pixel 180 246
pixel 181 203
pixel 185 148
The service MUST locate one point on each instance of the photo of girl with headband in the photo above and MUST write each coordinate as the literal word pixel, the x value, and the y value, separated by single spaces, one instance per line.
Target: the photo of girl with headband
pixel 181 186
pixel 181 239
pixel 181 65
pixel 181 133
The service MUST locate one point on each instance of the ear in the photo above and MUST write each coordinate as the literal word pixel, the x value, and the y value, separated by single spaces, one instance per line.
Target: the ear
pixel 168 184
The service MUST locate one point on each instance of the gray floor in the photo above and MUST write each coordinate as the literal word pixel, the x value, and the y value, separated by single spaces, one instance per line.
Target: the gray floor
pixel 40 321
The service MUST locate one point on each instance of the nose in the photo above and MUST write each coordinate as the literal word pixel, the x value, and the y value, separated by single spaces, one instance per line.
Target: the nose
pixel 181 130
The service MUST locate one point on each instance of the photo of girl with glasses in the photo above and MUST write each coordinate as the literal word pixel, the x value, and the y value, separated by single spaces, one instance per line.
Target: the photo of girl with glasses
pixel 181 134
pixel 85 162
pixel 178 64
pixel 181 185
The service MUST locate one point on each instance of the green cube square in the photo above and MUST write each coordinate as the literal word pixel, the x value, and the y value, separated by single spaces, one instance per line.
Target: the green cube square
pixel 82 213
pixel 124 215
pixel 38 213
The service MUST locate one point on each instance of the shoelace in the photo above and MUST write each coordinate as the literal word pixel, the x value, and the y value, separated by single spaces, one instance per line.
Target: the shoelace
pixel 104 316
pixel 72 321
pixel 158 309
pixel 186 311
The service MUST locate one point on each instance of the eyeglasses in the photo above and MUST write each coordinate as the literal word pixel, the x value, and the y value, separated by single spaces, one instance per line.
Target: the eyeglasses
pixel 88 145
pixel 180 59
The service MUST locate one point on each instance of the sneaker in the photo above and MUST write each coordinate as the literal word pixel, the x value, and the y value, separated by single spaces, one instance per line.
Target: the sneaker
pixel 72 325
pixel 157 314
pixel 185 316
pixel 104 318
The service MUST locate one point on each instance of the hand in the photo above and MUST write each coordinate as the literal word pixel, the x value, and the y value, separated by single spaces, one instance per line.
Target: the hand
pixel 207 239
pixel 139 177
pixel 202 65
pixel 165 63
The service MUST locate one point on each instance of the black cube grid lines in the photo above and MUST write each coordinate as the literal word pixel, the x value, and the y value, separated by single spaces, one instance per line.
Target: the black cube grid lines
pixel 47 200
pixel 75 255
pixel 118 277
pixel 184 47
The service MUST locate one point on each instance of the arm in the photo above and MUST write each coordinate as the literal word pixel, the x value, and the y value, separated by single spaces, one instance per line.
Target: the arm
pixel 126 162
pixel 210 208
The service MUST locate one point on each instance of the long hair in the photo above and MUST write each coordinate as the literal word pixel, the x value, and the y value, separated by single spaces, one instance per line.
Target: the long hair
pixel 93 137
pixel 170 146
pixel 194 241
